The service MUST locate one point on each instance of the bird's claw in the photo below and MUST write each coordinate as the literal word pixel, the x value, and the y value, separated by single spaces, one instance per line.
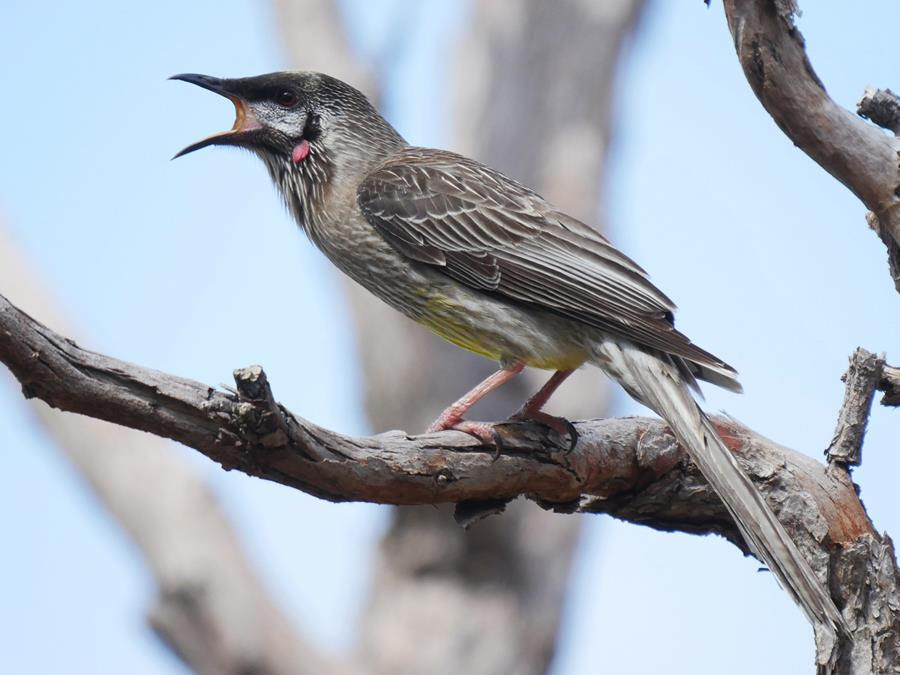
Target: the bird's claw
pixel 488 435
pixel 560 425
pixel 483 431
pixel 573 435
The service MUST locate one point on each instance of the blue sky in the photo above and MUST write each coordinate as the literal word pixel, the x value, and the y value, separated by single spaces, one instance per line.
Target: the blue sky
pixel 766 255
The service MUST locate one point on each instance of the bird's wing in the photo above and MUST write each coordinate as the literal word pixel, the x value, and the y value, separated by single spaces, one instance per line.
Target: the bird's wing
pixel 492 234
pixel 487 231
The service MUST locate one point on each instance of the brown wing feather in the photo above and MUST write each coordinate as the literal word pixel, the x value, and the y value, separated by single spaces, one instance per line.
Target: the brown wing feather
pixel 493 234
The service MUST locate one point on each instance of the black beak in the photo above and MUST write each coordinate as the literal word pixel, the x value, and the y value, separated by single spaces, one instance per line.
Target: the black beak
pixel 215 84
pixel 245 122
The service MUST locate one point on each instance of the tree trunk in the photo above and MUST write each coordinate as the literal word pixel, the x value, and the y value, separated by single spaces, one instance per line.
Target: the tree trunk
pixel 490 597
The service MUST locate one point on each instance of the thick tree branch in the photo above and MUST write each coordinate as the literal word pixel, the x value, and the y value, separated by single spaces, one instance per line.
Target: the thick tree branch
pixel 862 157
pixel 630 468
pixel 246 430
pixel 609 470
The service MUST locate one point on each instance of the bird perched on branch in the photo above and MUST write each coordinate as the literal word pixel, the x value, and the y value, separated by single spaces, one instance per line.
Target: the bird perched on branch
pixel 489 265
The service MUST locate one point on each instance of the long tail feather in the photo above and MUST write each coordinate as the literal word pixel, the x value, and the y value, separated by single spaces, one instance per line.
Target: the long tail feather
pixel 659 385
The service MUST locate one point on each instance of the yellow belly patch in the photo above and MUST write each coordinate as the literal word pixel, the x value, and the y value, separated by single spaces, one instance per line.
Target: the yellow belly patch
pixel 452 322
pixel 459 333
pixel 568 361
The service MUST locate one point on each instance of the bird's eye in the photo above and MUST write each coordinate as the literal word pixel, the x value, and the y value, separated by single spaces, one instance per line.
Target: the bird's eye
pixel 286 98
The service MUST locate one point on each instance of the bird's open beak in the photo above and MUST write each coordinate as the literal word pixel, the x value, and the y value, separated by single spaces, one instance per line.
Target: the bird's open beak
pixel 245 122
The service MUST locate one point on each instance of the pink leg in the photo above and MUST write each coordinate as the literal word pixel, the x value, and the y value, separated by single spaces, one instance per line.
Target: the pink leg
pixel 452 417
pixel 531 409
pixel 539 400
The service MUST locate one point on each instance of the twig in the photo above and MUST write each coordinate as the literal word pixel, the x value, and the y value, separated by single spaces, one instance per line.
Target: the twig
pixel 862 378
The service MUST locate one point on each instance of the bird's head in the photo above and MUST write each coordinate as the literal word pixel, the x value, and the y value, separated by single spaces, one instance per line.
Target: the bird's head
pixel 300 123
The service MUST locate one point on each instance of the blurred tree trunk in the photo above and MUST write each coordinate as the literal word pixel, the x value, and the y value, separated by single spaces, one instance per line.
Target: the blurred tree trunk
pixel 534 90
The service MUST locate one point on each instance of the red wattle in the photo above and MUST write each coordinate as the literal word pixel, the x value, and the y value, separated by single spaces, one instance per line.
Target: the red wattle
pixel 301 151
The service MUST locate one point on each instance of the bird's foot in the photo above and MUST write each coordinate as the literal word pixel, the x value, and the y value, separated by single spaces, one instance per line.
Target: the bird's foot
pixel 447 420
pixel 483 431
pixel 560 425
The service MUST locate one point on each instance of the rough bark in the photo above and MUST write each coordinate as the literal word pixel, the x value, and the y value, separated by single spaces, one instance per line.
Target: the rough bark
pixel 861 378
pixel 630 468
pixel 882 107
pixel 212 609
pixel 491 595
pixel 865 159
pixel 890 385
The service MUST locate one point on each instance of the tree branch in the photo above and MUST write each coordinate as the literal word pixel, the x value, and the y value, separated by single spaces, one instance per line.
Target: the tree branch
pixel 865 159
pixel 881 106
pixel 630 468
pixel 862 378
pixel 890 385
pixel 246 430
pixel 609 470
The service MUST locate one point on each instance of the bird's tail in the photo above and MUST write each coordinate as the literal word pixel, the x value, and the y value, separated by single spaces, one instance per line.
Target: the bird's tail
pixel 661 386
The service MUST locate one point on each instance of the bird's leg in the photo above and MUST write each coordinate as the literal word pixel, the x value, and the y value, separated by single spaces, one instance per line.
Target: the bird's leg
pixel 539 400
pixel 452 417
pixel 532 408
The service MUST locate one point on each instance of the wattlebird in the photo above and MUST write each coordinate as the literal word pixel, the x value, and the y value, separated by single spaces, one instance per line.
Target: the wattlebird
pixel 489 265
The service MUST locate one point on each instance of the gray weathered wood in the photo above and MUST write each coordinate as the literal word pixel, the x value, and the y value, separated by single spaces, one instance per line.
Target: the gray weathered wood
pixel 890 385
pixel 772 53
pixel 881 106
pixel 862 378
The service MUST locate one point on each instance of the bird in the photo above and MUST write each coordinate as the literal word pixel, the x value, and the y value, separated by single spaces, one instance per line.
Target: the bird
pixel 489 265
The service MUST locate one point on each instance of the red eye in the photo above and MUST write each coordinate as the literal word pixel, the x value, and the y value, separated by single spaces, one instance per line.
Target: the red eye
pixel 286 98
